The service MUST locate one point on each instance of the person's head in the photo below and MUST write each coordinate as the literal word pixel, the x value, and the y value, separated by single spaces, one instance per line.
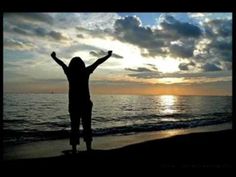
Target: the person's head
pixel 76 64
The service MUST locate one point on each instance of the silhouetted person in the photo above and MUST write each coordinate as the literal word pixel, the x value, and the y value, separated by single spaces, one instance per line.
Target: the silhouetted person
pixel 80 105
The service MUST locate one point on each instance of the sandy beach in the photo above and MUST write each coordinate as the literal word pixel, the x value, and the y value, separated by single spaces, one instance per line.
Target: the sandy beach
pixel 59 147
pixel 207 147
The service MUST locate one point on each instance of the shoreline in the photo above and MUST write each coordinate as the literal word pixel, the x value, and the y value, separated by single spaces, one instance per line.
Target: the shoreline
pixel 54 148
pixel 207 150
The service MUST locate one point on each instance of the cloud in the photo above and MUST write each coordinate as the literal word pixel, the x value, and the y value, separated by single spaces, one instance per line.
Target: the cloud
pixel 49 81
pixel 99 33
pixel 221 49
pixel 41 32
pixel 221 27
pixel 30 17
pixel 210 67
pixel 144 73
pixel 186 66
pixel 212 71
pixel 91 21
pixel 184 29
pixel 31 30
pixel 139 69
pixel 219 33
pixel 130 29
pixel 31 25
pixel 152 66
pixel 69 52
pixel 182 51
pixel 227 65
pixel 102 53
pixel 19 31
pixel 80 36
pixel 13 44
pixel 20 19
pixel 204 47
pixel 57 35
pixel 157 41
pixel 180 39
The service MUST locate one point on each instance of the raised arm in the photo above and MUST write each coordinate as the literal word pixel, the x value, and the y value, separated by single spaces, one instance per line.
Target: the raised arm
pixel 58 61
pixel 99 61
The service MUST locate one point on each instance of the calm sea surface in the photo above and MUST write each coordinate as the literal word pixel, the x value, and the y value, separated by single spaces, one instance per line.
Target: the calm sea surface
pixel 33 117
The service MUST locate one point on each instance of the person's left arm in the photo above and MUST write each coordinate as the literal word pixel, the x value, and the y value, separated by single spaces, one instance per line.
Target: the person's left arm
pixel 99 61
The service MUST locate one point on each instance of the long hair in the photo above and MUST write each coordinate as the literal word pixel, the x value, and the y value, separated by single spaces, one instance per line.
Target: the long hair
pixel 76 65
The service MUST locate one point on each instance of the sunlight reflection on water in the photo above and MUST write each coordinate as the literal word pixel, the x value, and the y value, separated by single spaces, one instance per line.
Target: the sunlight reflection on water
pixel 168 103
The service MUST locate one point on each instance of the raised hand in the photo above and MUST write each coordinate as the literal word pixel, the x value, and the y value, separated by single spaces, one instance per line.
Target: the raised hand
pixel 53 54
pixel 109 52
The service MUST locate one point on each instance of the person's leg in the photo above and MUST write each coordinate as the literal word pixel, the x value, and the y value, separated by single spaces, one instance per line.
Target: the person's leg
pixel 74 135
pixel 74 150
pixel 86 122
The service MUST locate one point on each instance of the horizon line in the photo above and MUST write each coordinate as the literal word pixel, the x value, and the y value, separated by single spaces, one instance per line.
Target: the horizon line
pixel 114 94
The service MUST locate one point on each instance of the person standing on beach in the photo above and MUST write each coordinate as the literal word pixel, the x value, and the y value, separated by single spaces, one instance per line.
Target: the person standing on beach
pixel 80 105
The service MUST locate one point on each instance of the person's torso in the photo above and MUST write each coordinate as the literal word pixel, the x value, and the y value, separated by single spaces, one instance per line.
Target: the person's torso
pixel 79 86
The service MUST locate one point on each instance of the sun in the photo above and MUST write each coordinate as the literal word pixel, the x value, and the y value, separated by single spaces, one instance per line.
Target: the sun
pixel 167 65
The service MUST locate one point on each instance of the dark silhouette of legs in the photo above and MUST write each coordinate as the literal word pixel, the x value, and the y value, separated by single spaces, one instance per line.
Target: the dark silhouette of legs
pixel 85 114
pixel 88 146
pixel 74 135
pixel 74 150
pixel 86 123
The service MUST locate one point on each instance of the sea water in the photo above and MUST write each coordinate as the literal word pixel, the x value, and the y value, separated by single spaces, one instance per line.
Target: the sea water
pixel 34 117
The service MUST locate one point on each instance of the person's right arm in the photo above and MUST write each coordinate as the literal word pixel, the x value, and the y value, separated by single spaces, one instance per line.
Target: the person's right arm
pixel 58 61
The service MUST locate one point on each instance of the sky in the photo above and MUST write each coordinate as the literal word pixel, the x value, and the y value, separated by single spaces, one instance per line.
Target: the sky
pixel 153 53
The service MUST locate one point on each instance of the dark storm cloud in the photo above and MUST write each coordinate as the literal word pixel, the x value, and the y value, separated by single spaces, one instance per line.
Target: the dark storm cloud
pixel 102 53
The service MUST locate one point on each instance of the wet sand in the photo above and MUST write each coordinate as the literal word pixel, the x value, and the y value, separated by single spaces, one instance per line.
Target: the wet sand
pixel 206 149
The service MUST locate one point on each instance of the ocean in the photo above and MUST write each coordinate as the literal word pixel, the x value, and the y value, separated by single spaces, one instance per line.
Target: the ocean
pixel 36 117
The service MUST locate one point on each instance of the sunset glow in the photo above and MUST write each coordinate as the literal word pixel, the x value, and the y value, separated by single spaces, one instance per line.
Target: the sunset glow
pixel 153 53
